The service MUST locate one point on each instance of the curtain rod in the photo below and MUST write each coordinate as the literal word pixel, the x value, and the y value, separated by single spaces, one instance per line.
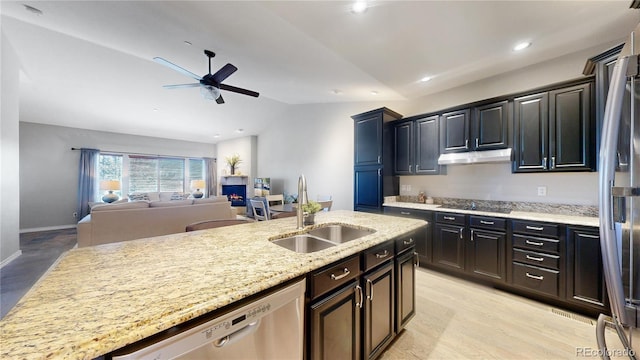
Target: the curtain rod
pixel 143 154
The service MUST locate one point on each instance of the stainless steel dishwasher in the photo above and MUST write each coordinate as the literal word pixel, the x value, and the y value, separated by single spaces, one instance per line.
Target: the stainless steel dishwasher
pixel 268 328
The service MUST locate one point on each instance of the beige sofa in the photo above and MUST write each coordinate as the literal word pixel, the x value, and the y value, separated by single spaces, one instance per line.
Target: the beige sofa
pixel 110 223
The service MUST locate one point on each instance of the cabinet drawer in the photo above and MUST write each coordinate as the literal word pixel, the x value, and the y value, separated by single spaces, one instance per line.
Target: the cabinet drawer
pixel 534 278
pixel 536 243
pixel 409 213
pixel 334 276
pixel 377 255
pixel 536 228
pixel 407 241
pixel 450 218
pixel 487 223
pixel 537 259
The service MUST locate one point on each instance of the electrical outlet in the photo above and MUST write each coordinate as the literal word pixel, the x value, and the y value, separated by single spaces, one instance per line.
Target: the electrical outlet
pixel 75 215
pixel 542 191
pixel 408 188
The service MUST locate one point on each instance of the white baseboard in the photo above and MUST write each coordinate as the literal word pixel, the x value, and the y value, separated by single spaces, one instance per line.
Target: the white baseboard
pixel 48 228
pixel 13 256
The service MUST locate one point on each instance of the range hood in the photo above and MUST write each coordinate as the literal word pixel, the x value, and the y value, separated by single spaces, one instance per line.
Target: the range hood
pixel 475 157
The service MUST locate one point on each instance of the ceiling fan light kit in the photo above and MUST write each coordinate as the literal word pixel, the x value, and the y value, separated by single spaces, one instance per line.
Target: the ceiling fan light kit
pixel 210 84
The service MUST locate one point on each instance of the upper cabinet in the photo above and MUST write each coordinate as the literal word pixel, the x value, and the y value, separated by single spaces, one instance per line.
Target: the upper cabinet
pixel 483 127
pixel 555 130
pixel 416 146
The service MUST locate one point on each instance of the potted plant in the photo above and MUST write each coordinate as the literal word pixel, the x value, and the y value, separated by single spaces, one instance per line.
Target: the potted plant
pixel 233 161
pixel 310 209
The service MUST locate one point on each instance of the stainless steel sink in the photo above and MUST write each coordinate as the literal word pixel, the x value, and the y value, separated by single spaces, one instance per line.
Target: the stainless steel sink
pixel 339 233
pixel 303 243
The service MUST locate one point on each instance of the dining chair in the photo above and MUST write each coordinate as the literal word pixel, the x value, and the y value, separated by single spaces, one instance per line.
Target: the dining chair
pixel 260 210
pixel 326 205
pixel 210 224
pixel 277 199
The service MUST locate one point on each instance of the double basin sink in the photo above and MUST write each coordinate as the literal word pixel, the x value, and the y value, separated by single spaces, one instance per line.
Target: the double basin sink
pixel 322 238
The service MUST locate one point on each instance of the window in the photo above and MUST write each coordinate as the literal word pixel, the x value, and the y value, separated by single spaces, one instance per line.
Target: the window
pixel 139 173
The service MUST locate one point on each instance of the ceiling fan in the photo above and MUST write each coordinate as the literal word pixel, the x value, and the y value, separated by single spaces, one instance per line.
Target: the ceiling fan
pixel 210 85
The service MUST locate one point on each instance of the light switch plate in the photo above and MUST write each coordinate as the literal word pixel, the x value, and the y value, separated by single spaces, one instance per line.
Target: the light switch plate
pixel 542 191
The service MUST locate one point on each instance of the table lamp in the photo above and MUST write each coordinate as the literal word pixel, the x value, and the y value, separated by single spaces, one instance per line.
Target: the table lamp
pixel 197 184
pixel 110 186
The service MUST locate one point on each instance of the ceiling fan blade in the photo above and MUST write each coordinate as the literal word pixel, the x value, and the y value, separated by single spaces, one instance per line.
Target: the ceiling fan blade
pixel 177 68
pixel 239 90
pixel 223 73
pixel 181 86
pixel 220 100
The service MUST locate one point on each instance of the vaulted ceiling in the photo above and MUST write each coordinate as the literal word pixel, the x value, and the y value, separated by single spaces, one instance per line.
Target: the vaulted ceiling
pixel 89 64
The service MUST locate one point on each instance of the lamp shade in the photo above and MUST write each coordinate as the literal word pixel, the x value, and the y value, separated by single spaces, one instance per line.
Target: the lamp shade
pixel 110 185
pixel 198 184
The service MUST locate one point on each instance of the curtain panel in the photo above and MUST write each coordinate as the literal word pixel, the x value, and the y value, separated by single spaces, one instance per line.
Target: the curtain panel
pixel 210 177
pixel 87 180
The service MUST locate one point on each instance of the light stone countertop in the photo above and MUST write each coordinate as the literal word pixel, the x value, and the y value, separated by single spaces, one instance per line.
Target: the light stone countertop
pixel 98 299
pixel 519 215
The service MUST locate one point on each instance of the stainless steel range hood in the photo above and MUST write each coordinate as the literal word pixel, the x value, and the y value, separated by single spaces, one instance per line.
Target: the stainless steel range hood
pixel 475 157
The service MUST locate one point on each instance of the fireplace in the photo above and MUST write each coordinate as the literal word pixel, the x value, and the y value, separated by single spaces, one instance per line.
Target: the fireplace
pixel 237 194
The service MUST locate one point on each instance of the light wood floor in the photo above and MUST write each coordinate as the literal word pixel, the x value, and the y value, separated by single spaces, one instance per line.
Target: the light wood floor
pixel 457 319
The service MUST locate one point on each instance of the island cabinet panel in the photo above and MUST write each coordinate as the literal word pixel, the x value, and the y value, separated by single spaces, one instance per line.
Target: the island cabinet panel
pixel 585 275
pixel 379 309
pixel 406 288
pixel 335 325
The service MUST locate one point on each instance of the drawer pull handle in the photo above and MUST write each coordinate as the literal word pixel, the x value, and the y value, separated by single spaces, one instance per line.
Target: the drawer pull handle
pixel 382 255
pixel 536 277
pixel 370 283
pixel 529 242
pixel 345 273
pixel 449 218
pixel 405 213
pixel 536 228
pixel 408 242
pixel 359 304
pixel 529 257
pixel 487 222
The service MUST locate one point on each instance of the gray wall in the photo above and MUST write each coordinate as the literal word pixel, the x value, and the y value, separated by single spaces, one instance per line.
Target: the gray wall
pixel 49 168
pixel 9 164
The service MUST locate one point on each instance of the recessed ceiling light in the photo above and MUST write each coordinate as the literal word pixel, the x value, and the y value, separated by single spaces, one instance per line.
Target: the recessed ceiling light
pixel 336 92
pixel 521 46
pixel 155 109
pixel 373 92
pixel 425 79
pixel 240 131
pixel 188 43
pixel 359 7
pixel 216 135
pixel 32 9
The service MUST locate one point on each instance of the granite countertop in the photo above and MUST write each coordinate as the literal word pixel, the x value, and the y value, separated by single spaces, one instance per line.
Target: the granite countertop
pixel 97 299
pixel 521 215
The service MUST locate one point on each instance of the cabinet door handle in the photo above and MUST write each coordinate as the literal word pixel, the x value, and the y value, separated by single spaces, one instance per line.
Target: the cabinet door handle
pixel 461 237
pixel 417 167
pixel 359 290
pixel 553 162
pixel 408 242
pixel 379 159
pixel 544 163
pixel 477 143
pixel 536 277
pixel 536 228
pixel 382 255
pixel 370 285
pixel 471 234
pixel 449 218
pixel 405 213
pixel 416 261
pixel 466 144
pixel 534 258
pixel 345 273
pixel 487 222
pixel 379 172
pixel 410 166
pixel 535 243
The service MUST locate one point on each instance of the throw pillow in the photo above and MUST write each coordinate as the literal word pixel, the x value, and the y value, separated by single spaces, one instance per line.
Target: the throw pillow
pixel 138 197
pixel 179 196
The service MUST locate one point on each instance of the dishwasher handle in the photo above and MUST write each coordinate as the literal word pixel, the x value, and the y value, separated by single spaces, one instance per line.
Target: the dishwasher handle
pixel 233 337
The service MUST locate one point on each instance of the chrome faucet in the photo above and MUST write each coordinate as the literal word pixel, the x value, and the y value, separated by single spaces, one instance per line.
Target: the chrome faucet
pixel 302 199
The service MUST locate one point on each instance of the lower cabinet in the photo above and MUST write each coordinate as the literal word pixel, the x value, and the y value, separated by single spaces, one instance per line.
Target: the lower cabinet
pixel 585 275
pixel 379 314
pixel 448 241
pixel 424 242
pixel 405 288
pixel 486 255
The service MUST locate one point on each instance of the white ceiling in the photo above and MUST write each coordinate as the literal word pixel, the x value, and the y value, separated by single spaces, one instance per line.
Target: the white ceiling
pixel 88 64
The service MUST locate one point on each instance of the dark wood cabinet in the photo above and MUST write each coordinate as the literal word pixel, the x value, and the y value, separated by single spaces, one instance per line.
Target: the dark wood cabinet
pixel 585 275
pixel 454 129
pixel 424 237
pixel 379 309
pixel 405 289
pixel 555 130
pixel 486 249
pixel 448 241
pixel 417 146
pixel 490 126
pixel 373 159
pixel 335 325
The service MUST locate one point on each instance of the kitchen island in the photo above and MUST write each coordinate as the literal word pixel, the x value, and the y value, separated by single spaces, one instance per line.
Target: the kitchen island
pixel 98 299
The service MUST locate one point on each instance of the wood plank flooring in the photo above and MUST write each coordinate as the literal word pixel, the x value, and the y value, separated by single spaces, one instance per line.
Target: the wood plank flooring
pixel 457 319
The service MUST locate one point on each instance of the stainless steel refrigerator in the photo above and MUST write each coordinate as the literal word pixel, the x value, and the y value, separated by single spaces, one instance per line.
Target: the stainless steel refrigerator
pixel 619 198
